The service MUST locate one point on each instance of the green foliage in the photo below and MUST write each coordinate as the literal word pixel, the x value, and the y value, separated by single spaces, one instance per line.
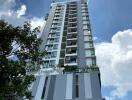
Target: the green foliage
pixel 22 44
pixel 70 68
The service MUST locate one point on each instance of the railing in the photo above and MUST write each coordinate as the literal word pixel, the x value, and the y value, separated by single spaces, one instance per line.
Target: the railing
pixel 75 69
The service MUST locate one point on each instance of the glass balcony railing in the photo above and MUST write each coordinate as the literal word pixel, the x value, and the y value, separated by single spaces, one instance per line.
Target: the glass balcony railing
pixel 71 36
pixel 72 43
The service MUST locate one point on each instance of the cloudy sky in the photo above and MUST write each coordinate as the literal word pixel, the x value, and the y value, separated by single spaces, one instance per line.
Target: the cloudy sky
pixel 111 22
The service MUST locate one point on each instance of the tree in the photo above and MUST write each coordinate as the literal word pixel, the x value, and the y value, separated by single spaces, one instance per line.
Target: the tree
pixel 70 68
pixel 19 54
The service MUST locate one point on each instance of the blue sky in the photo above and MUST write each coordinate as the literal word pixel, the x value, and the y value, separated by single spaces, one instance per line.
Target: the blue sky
pixel 111 22
pixel 107 16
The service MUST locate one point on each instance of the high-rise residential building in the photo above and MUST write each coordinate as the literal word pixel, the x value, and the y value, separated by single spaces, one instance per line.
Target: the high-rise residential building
pixel 69 71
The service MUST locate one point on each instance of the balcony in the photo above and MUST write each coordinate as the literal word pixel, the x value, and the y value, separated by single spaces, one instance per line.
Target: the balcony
pixel 87 69
pixel 72 11
pixel 62 53
pixel 61 62
pixel 72 16
pixel 64 32
pixel 72 33
pixel 50 47
pixel 72 4
pixel 72 25
pixel 72 7
pixel 71 60
pixel 63 39
pixel 49 63
pixel 63 45
pixel 72 36
pixel 72 20
pixel 52 40
pixel 71 51
pixel 72 29
pixel 71 43
pixel 56 22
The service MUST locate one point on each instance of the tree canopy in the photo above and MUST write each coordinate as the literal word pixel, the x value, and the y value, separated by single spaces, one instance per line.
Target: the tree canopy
pixel 19 54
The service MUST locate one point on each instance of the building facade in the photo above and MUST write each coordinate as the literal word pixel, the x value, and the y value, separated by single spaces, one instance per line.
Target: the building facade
pixel 69 71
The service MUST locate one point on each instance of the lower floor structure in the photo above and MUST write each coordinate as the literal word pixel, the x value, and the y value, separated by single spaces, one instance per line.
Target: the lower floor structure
pixel 68 86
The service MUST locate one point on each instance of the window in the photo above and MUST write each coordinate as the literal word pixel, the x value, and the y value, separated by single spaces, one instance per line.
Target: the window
pixel 77 90
pixel 47 56
pixel 52 63
pixel 46 64
pixel 85 18
pixel 87 38
pixel 84 10
pixel 76 79
pixel 76 86
pixel 55 46
pixel 44 88
pixel 56 40
pixel 85 22
pixel 53 54
pixel 48 47
pixel 86 32
pixel 87 53
pixel 84 14
pixel 85 27
pixel 93 62
pixel 88 61
pixel 88 45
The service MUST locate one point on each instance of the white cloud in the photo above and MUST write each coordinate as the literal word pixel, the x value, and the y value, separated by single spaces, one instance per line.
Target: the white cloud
pixel 95 38
pixel 17 17
pixel 5 6
pixel 21 11
pixel 115 62
pixel 35 22
pixel 8 13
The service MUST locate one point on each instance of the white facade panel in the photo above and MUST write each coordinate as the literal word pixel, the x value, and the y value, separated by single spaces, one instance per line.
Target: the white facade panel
pixel 69 84
pixel 87 82
pixel 40 88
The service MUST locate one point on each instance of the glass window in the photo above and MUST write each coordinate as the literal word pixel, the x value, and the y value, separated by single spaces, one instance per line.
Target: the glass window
pixel 85 18
pixel 84 14
pixel 85 22
pixel 57 33
pixel 44 88
pixel 46 64
pixel 86 32
pixel 76 86
pixel 94 61
pixel 88 45
pixel 87 38
pixel 89 61
pixel 56 40
pixel 77 91
pixel 49 47
pixel 52 63
pixel 55 46
pixel 87 53
pixel 85 27
pixel 54 54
